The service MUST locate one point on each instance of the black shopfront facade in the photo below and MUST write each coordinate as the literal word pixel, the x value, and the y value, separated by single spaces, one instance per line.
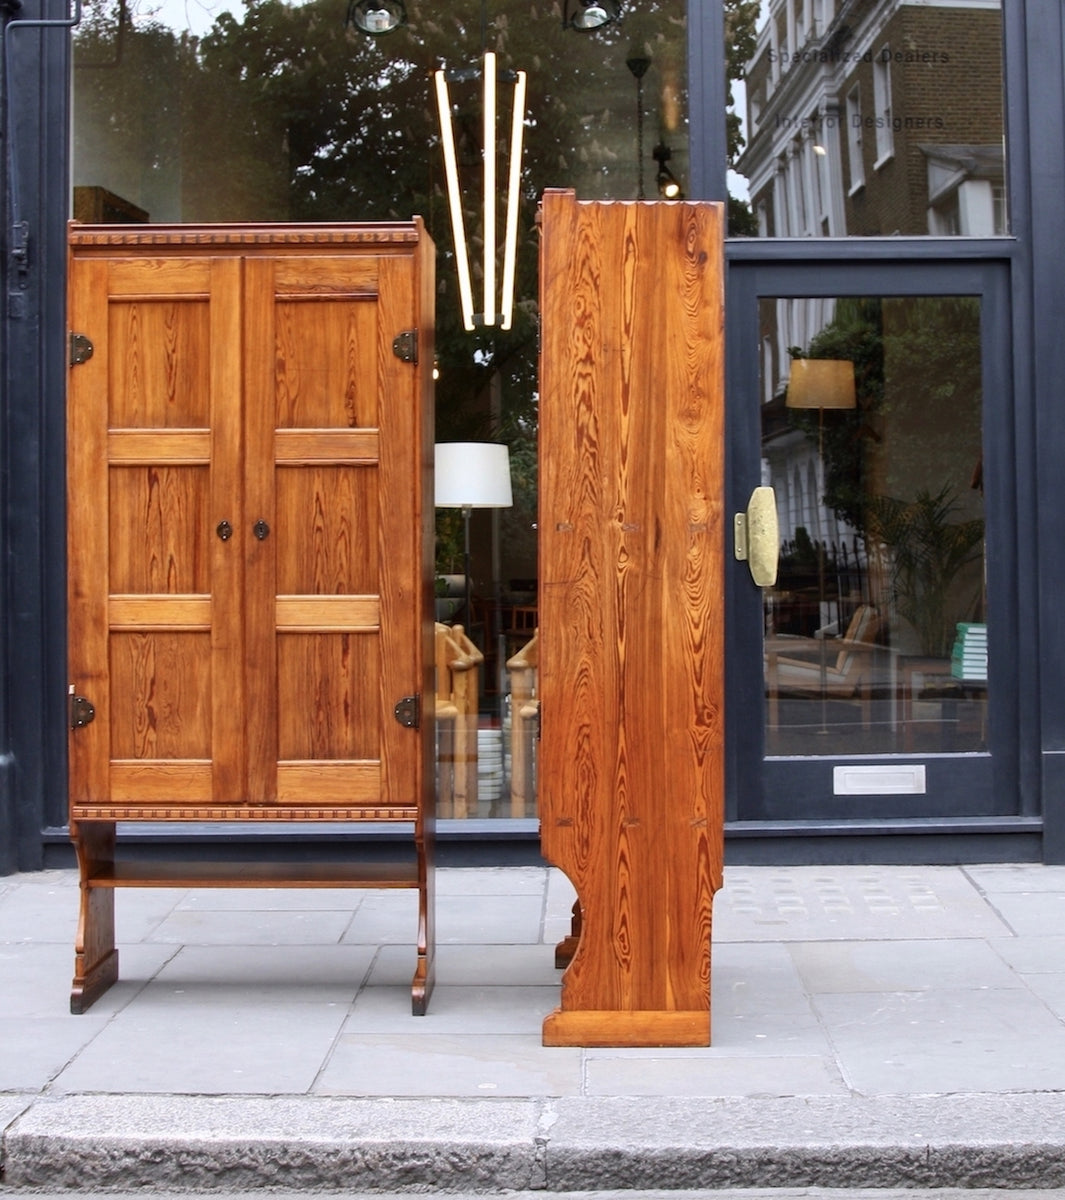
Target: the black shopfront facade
pixel 858 730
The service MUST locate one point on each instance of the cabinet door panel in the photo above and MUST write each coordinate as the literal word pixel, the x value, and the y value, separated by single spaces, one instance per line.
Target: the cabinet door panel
pixel 154 440
pixel 327 689
pixel 327 519
pixel 326 375
pixel 158 517
pixel 161 685
pixel 322 656
pixel 162 377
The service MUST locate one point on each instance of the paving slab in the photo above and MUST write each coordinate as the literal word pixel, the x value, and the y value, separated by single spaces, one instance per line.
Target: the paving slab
pixel 1031 914
pixel 900 966
pixel 244 927
pixel 851 903
pixel 193 1044
pixel 661 1073
pixel 972 1040
pixel 263 975
pixel 1016 877
pixel 509 1009
pixel 448 1065
pixel 33 1054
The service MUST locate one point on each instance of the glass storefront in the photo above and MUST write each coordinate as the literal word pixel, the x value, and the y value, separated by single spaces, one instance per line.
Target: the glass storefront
pixel 879 159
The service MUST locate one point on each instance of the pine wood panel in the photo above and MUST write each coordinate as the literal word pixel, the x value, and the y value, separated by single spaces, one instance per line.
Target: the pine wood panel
pixel 161 379
pixel 325 359
pixel 328 701
pixel 161 690
pixel 631 600
pixel 327 533
pixel 159 515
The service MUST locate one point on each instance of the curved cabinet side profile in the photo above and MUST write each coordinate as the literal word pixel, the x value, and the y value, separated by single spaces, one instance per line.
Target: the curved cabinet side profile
pixel 632 609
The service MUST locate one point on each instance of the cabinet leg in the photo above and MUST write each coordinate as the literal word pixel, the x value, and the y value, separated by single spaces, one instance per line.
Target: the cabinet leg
pixel 95 955
pixel 425 971
pixel 567 948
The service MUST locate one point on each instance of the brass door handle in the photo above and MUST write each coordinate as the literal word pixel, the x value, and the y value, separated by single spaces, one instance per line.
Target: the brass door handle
pixel 757 536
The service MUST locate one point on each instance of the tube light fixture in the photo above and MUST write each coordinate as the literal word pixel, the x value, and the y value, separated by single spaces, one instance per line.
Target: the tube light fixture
pixel 494 308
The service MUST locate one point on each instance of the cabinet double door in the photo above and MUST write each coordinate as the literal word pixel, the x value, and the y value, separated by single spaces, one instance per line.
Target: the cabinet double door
pixel 248 448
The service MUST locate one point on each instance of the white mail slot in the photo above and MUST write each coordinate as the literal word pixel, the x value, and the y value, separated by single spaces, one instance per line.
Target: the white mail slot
pixel 901 780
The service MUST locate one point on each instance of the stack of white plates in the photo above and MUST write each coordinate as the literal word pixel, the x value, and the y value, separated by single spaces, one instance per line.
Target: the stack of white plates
pixel 489 764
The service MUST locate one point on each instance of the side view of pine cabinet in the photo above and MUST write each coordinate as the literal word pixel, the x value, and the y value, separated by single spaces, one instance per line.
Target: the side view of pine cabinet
pixel 249 553
pixel 631 639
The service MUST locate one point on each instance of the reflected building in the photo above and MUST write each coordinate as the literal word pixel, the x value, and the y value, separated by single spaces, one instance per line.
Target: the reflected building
pixel 876 119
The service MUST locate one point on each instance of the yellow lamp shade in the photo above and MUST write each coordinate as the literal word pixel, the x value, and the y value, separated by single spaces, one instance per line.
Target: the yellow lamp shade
pixel 821 383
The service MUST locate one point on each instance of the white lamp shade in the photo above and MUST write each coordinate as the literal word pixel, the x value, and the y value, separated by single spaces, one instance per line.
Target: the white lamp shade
pixel 473 475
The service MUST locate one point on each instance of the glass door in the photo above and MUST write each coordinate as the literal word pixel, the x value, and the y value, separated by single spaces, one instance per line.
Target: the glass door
pixel 875 677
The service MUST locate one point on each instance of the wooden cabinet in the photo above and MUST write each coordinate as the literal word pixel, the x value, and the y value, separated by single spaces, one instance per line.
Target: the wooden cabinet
pixel 250 548
pixel 631 640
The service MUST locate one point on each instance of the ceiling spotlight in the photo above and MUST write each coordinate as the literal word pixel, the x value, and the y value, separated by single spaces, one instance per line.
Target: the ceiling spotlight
pixel 376 16
pixel 585 15
pixel 668 184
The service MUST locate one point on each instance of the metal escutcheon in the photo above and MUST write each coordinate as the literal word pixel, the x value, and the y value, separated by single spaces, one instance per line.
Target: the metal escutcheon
pixel 261 530
pixel 224 530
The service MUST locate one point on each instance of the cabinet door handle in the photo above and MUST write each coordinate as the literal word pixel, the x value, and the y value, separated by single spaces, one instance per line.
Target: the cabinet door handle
pixel 261 530
pixel 224 530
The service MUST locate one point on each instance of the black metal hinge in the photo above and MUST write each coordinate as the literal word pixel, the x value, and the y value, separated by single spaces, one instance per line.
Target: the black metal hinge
pixel 405 346
pixel 81 349
pixel 409 712
pixel 82 711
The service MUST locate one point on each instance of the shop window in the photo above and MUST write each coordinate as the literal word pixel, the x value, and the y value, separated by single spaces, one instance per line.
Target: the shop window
pixel 262 110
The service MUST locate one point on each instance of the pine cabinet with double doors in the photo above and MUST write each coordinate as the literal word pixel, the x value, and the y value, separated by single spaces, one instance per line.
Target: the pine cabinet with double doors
pixel 249 553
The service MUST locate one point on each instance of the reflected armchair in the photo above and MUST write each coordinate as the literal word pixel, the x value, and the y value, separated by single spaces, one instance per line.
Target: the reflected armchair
pixel 794 665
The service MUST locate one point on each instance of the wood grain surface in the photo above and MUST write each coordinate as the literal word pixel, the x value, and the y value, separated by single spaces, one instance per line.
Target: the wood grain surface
pixel 632 608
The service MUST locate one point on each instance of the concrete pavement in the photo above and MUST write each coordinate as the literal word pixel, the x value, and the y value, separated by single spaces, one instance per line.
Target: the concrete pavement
pixel 872 1027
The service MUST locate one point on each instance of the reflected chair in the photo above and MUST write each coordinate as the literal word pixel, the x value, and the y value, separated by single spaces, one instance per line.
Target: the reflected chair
pixel 524 709
pixel 795 667
pixel 457 704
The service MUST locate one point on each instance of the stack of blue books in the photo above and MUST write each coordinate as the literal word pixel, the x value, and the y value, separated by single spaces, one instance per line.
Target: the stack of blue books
pixel 968 659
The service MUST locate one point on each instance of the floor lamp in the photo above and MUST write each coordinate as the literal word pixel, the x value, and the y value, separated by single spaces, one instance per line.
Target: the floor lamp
pixel 472 475
pixel 821 383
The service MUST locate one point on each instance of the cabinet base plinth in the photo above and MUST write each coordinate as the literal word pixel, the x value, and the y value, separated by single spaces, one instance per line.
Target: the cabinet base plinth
pixel 87 988
pixel 607 1027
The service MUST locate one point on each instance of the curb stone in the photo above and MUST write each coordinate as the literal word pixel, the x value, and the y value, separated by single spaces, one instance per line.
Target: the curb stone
pixel 199 1143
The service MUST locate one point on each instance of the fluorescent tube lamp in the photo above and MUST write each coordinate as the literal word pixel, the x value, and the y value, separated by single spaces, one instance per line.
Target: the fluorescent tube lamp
pixel 494 308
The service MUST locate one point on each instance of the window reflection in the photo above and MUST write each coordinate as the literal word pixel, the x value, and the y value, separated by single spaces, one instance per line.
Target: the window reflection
pixel 872 120
pixel 875 633
pixel 264 110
